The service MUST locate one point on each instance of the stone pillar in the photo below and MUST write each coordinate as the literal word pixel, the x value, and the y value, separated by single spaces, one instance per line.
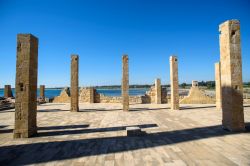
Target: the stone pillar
pixel 91 95
pixel 231 76
pixel 174 83
pixel 42 89
pixel 7 91
pixel 74 83
pixel 218 86
pixel 26 86
pixel 125 83
pixel 157 91
pixel 195 83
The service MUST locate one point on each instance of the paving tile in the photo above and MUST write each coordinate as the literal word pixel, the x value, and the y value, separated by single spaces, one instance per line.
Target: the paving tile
pixel 97 136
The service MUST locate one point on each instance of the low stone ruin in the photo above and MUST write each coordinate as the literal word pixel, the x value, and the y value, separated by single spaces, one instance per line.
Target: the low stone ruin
pixel 64 96
pixel 197 96
pixel 87 95
pixel 7 103
pixel 90 95
pixel 149 97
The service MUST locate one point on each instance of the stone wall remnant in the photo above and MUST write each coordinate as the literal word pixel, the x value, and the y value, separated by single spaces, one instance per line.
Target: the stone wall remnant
pixel 87 95
pixel 64 96
pixel 197 96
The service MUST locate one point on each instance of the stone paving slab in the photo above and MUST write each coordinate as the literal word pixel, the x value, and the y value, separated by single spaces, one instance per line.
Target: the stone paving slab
pixel 97 136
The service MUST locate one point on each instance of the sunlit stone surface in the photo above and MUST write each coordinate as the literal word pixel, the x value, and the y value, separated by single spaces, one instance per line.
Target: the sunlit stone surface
pixel 96 135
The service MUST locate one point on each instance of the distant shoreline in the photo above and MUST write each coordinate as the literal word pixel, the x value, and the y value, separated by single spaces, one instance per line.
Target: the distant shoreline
pixel 246 85
pixel 86 87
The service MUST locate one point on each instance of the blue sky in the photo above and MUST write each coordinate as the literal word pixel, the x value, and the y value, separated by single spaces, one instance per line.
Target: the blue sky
pixel 102 31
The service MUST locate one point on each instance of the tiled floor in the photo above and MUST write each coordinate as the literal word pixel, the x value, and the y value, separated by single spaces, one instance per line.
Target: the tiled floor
pixel 96 136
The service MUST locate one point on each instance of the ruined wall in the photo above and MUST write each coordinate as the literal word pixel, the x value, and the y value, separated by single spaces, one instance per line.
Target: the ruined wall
pixel 117 99
pixel 149 97
pixel 86 95
pixel 197 96
pixel 64 96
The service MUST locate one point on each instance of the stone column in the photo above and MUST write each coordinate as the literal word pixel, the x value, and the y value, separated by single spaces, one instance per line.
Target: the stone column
pixel 218 86
pixel 231 76
pixel 26 86
pixel 91 95
pixel 125 83
pixel 42 89
pixel 74 83
pixel 195 83
pixel 174 83
pixel 7 91
pixel 157 91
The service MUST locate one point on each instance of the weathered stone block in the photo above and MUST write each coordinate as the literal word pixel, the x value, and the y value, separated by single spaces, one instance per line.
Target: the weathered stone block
pixel 42 91
pixel 174 83
pixel 231 76
pixel 218 86
pixel 74 83
pixel 87 95
pixel 158 91
pixel 26 86
pixel 125 83
pixel 8 91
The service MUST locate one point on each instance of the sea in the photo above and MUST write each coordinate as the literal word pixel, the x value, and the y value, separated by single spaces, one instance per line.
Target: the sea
pixel 51 93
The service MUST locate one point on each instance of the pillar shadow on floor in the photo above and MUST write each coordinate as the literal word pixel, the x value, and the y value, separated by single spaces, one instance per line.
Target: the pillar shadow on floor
pixel 98 110
pixel 147 109
pixel 51 110
pixel 7 110
pixel 62 150
pixel 196 107
pixel 91 130
pixel 3 126
pixel 63 127
pixel 50 104
pixel 2 131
